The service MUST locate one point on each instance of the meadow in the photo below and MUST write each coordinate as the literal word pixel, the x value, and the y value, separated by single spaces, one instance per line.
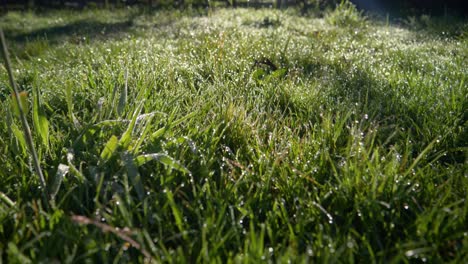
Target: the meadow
pixel 234 136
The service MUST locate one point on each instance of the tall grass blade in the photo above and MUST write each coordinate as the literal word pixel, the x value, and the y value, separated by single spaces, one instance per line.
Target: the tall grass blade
pixel 125 140
pixel 175 212
pixel 420 156
pixel 123 96
pixel 41 124
pixel 24 122
pixel 69 100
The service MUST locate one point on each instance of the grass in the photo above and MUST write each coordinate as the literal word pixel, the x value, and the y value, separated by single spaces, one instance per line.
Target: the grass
pixel 235 136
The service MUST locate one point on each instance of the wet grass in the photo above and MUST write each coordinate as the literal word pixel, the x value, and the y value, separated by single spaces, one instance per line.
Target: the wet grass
pixel 235 136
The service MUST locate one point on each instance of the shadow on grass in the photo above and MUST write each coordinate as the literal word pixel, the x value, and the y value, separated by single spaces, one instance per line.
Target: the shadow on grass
pixel 82 28
pixel 393 105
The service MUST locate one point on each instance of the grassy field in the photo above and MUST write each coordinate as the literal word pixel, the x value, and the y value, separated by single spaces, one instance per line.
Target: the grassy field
pixel 238 136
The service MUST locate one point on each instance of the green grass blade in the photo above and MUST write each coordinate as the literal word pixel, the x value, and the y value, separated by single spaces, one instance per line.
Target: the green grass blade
pixel 41 124
pixel 20 138
pixel 175 212
pixel 109 149
pixel 163 159
pixel 123 96
pixel 126 138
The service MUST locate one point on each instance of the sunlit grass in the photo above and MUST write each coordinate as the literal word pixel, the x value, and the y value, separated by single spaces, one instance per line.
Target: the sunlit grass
pixel 236 136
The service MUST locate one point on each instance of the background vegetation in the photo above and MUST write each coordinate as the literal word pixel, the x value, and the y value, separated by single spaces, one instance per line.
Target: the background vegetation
pixel 222 135
pixel 394 7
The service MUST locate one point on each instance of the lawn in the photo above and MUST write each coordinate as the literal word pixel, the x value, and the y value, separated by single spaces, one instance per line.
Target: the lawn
pixel 235 136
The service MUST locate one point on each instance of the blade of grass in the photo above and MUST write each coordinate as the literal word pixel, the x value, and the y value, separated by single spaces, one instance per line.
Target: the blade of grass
pixel 125 140
pixel 41 124
pixel 109 149
pixel 123 96
pixel 163 158
pixel 24 122
pixel 176 213
pixel 6 200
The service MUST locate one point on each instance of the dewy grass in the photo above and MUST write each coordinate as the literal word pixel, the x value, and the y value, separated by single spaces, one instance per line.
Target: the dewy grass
pixel 236 136
pixel 19 103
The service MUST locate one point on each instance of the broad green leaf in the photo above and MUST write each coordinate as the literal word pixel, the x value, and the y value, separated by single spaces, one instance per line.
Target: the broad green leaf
pixel 109 148
pixel 23 98
pixel 19 135
pixel 41 124
pixel 159 133
pixel 44 127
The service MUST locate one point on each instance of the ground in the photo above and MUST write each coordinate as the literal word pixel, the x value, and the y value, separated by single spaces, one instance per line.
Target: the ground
pixel 235 136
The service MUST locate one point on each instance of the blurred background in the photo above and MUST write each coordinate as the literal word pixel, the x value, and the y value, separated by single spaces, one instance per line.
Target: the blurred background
pixel 397 7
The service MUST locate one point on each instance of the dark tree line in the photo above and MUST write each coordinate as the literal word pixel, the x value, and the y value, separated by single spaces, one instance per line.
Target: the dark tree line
pixel 436 7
